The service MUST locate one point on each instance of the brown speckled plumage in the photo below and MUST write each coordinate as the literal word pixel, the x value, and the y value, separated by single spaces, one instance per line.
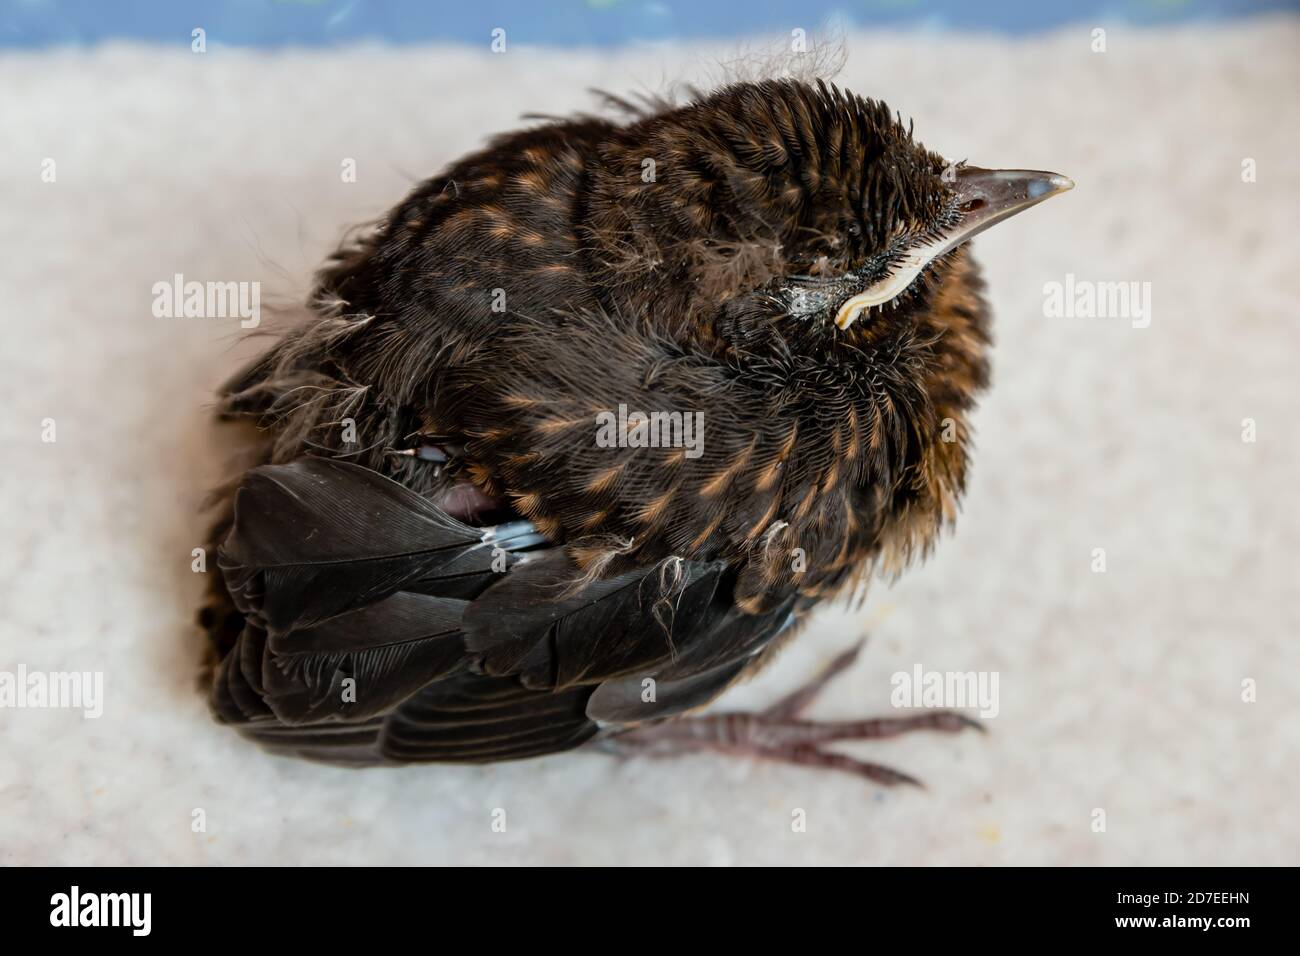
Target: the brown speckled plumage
pixel 571 268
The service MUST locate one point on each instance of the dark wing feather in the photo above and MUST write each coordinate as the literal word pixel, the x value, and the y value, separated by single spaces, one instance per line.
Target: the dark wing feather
pixel 707 666
pixel 472 718
pixel 236 692
pixel 316 538
pixel 346 575
pixel 737 636
pixel 389 650
pixel 628 701
pixel 535 624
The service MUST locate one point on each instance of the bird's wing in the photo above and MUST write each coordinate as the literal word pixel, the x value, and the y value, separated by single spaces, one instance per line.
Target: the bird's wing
pixel 378 628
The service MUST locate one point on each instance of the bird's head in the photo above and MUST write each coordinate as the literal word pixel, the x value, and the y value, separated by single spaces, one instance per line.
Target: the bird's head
pixel 804 236
pixel 813 195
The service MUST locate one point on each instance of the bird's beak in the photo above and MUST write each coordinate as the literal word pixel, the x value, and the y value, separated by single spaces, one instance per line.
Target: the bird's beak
pixel 984 197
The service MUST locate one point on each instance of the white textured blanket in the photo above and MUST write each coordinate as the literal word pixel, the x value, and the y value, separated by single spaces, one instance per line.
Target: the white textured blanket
pixel 1119 691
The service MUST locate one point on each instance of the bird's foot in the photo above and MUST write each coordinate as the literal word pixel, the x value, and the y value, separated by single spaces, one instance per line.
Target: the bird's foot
pixel 779 733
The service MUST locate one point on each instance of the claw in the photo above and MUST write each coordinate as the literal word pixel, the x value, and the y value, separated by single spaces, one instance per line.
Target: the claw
pixel 878 773
pixel 797 701
pixel 958 722
pixel 778 733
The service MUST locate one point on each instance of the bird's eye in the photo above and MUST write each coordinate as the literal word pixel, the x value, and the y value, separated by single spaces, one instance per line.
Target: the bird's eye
pixel 855 229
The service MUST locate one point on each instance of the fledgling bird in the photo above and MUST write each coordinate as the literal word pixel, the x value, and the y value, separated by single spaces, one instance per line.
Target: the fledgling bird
pixel 436 559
